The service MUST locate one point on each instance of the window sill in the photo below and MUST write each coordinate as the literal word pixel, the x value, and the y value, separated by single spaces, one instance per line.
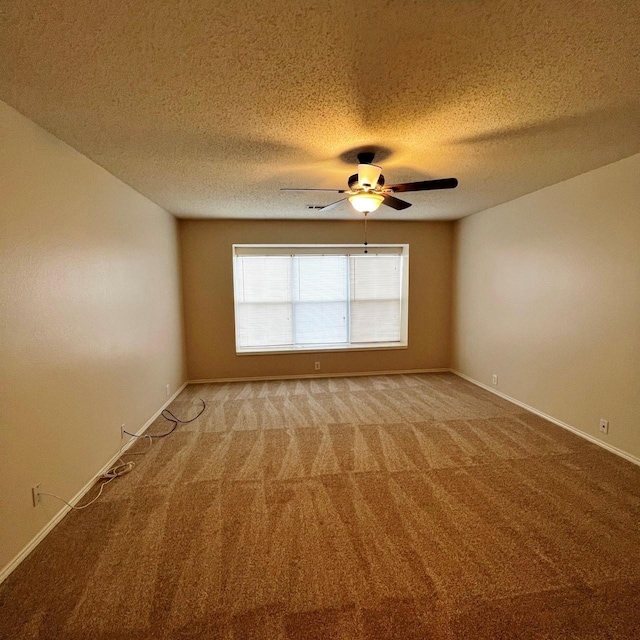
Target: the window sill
pixel 378 346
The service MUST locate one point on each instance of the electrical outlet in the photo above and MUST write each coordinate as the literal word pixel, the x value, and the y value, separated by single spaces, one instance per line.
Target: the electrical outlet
pixel 494 379
pixel 122 426
pixel 604 426
pixel 317 366
pixel 168 392
pixel 35 495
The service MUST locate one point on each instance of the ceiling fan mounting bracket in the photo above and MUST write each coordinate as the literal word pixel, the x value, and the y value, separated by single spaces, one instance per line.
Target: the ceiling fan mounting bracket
pixel 366 157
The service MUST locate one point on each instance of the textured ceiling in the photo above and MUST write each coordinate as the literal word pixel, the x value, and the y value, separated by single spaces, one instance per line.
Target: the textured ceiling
pixel 208 108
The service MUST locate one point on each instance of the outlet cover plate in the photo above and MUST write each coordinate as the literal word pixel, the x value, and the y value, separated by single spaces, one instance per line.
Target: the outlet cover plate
pixel 35 494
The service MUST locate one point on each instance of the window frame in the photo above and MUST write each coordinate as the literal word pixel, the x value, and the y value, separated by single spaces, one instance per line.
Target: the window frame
pixel 400 249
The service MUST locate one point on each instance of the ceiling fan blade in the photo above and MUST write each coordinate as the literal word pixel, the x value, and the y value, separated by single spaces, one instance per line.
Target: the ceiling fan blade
pixel 332 205
pixel 395 203
pixel 303 189
pixel 425 185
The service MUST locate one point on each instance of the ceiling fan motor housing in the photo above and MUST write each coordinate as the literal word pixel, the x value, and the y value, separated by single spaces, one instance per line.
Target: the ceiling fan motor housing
pixel 355 183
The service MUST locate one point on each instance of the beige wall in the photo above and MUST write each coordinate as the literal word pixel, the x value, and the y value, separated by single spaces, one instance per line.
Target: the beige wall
pixel 91 329
pixel 547 295
pixel 208 296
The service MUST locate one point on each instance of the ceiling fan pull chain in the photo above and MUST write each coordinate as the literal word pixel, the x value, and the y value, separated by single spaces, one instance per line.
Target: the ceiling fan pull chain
pixel 365 234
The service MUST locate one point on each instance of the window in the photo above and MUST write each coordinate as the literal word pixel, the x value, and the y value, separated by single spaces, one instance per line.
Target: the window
pixel 320 297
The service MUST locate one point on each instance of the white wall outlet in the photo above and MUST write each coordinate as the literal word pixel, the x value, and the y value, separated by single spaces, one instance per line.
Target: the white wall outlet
pixel 494 378
pixel 604 426
pixel 122 426
pixel 317 366
pixel 168 392
pixel 35 495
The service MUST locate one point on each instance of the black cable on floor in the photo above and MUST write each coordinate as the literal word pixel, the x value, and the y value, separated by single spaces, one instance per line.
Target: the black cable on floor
pixel 170 417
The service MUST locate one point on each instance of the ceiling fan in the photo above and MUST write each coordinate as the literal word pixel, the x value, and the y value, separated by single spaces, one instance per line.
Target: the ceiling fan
pixel 367 190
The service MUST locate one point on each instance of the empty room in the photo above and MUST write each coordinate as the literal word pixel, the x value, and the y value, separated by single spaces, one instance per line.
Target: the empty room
pixel 320 320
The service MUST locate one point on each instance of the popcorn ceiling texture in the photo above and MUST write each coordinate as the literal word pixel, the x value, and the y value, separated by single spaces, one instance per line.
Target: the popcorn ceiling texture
pixel 208 108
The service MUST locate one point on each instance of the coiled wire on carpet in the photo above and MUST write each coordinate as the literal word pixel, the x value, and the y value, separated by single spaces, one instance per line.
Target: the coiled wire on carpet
pixel 123 468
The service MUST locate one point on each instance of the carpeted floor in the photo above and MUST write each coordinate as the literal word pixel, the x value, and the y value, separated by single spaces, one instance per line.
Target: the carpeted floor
pixel 406 507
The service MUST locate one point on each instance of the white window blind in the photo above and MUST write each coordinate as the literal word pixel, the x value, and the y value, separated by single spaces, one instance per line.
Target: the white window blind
pixel 263 301
pixel 376 298
pixel 319 297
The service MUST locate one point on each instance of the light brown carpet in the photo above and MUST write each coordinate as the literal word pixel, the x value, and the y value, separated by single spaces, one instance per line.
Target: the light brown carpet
pixel 408 507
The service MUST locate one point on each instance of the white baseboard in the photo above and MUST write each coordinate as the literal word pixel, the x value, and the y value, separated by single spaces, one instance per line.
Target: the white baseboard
pixel 13 564
pixel 318 375
pixel 564 425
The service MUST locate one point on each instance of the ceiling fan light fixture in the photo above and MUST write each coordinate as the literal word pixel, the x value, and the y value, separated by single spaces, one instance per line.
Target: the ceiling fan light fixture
pixel 368 175
pixel 366 202
pixel 367 190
